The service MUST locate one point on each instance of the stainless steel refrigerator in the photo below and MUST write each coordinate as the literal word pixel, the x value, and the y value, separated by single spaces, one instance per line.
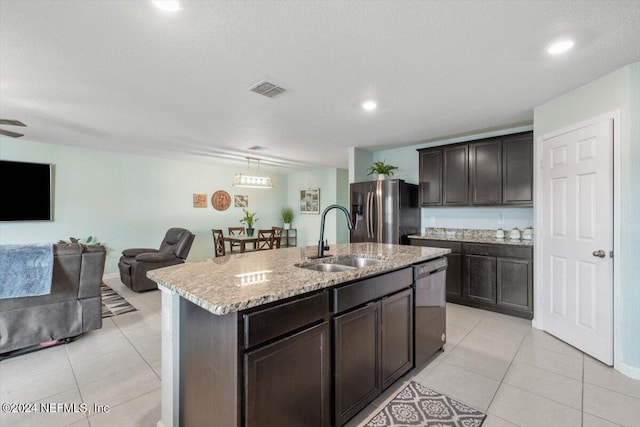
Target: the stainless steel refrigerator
pixel 384 211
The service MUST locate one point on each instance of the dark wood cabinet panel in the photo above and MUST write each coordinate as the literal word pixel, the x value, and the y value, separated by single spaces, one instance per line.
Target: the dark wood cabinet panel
pixel 357 361
pixel 455 175
pixel 515 283
pixel 485 169
pixel 480 278
pixel 517 175
pixel 454 276
pixel 431 177
pixel 396 336
pixel 288 382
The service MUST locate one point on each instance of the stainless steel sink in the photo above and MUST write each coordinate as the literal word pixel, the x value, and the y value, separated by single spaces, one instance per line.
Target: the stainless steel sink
pixel 327 267
pixel 357 262
pixel 342 264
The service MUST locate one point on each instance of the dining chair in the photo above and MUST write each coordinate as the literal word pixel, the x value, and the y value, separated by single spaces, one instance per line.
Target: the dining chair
pixel 265 240
pixel 277 236
pixel 235 231
pixel 218 242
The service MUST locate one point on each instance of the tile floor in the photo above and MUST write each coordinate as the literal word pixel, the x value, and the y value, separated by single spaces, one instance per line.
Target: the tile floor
pixel 516 374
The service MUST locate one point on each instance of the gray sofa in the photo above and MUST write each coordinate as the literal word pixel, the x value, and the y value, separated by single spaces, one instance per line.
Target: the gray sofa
pixel 73 307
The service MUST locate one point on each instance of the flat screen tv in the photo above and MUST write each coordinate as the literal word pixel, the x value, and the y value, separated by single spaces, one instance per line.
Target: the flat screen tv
pixel 26 191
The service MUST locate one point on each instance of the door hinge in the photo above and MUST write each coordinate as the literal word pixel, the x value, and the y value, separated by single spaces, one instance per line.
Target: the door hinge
pixel 610 254
pixel 541 164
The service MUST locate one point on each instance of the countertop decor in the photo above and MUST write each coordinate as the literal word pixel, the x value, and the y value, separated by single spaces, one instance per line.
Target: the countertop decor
pixel 252 279
pixel 469 235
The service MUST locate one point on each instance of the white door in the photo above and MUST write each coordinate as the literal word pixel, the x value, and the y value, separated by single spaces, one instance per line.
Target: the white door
pixel 577 237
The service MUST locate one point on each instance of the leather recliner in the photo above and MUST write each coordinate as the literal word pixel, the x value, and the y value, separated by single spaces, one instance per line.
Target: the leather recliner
pixel 134 263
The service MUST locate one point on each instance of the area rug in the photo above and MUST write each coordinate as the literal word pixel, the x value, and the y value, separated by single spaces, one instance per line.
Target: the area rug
pixel 417 405
pixel 113 303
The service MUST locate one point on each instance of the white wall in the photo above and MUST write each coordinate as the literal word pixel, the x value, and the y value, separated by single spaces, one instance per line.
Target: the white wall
pixel 618 90
pixel 130 201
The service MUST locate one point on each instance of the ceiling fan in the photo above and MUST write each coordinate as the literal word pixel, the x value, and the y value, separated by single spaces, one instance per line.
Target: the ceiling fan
pixel 12 123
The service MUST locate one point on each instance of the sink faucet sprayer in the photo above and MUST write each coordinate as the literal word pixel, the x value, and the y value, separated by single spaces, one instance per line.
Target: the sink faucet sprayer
pixel 321 246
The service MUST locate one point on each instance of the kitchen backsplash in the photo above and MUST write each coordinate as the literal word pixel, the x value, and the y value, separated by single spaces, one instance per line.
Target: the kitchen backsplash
pixel 477 218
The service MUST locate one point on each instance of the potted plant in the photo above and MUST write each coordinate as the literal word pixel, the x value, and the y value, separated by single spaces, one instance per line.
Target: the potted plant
pixel 382 169
pixel 248 219
pixel 287 217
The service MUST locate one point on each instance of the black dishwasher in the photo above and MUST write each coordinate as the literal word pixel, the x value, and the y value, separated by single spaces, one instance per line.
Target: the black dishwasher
pixel 430 312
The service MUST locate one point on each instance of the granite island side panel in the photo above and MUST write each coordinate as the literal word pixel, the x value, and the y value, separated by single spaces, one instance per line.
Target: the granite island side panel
pixel 237 282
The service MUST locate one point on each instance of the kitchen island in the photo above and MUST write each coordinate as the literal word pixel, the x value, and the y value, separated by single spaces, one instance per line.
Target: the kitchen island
pixel 265 339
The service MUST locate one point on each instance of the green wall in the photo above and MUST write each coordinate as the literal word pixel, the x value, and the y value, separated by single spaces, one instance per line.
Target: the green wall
pixel 618 90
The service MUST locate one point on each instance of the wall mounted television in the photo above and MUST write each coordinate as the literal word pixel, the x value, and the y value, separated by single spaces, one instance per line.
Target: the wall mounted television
pixel 26 191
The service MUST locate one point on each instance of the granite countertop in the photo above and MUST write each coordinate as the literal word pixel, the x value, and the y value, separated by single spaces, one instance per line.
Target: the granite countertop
pixel 469 236
pixel 236 282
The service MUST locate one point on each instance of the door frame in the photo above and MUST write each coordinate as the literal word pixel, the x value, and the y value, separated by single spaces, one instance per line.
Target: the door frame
pixel 538 204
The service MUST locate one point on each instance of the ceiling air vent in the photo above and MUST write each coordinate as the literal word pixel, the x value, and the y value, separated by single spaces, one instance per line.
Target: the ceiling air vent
pixel 267 89
pixel 257 147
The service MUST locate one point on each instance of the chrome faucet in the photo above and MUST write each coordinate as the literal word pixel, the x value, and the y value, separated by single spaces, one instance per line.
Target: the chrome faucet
pixel 321 246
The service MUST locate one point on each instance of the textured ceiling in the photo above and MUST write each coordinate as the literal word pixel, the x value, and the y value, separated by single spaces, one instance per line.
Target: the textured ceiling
pixel 126 76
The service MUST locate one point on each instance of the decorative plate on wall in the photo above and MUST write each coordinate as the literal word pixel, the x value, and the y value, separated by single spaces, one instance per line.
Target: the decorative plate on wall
pixel 221 200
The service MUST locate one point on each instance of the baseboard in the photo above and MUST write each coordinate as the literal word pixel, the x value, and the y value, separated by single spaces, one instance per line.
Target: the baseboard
pixel 629 371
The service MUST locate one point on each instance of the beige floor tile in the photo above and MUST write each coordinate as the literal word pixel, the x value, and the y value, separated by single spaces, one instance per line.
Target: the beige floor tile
pixel 150 350
pixel 108 328
pixel 136 319
pixel 612 406
pixel 96 344
pixel 541 339
pixel 82 423
pixel 461 384
pixel 478 362
pixel 121 387
pixel 36 362
pixel 570 366
pixel 106 365
pixel 499 347
pixel 142 334
pixel 506 329
pixel 143 411
pixel 530 410
pixel 494 421
pixel 36 386
pixel 54 416
pixel 597 373
pixel 455 333
pixel 156 365
pixel 589 420
pixel 565 390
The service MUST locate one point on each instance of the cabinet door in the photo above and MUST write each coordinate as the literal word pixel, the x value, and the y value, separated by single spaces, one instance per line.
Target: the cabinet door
pixel 517 175
pixel 357 378
pixel 431 177
pixel 480 278
pixel 397 336
pixel 455 172
pixel 287 383
pixel 485 166
pixel 454 276
pixel 515 283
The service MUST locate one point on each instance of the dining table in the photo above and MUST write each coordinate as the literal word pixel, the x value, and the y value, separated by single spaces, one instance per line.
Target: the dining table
pixel 242 239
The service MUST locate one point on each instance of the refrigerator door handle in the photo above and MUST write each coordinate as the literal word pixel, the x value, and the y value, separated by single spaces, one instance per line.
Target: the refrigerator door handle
pixel 369 212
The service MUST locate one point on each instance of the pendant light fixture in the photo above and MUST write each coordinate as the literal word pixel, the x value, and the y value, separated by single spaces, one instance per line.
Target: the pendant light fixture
pixel 252 181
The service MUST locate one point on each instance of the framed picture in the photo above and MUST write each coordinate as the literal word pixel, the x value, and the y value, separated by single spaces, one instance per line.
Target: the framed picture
pixel 199 200
pixel 310 201
pixel 240 201
pixel 221 200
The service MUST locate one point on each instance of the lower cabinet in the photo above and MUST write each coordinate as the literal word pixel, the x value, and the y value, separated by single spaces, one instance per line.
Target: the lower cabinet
pixel 495 277
pixel 288 382
pixel 373 348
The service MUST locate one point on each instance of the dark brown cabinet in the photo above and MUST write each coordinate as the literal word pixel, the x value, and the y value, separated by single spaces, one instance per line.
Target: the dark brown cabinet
pixel 490 172
pixel 517 165
pixel 485 167
pixel 373 343
pixel 288 382
pixel 431 177
pixel 455 175
pixel 494 277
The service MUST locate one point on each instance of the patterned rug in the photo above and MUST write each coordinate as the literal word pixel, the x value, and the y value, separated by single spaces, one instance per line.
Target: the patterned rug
pixel 113 303
pixel 417 405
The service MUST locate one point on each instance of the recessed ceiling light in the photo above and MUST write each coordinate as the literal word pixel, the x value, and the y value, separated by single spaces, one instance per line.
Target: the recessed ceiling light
pixel 369 105
pixel 168 5
pixel 560 47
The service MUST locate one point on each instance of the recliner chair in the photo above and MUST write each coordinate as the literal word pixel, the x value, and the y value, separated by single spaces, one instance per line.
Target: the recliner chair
pixel 134 263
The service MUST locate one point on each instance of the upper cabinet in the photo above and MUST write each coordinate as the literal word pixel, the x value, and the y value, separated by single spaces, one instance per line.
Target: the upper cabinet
pixel 488 172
